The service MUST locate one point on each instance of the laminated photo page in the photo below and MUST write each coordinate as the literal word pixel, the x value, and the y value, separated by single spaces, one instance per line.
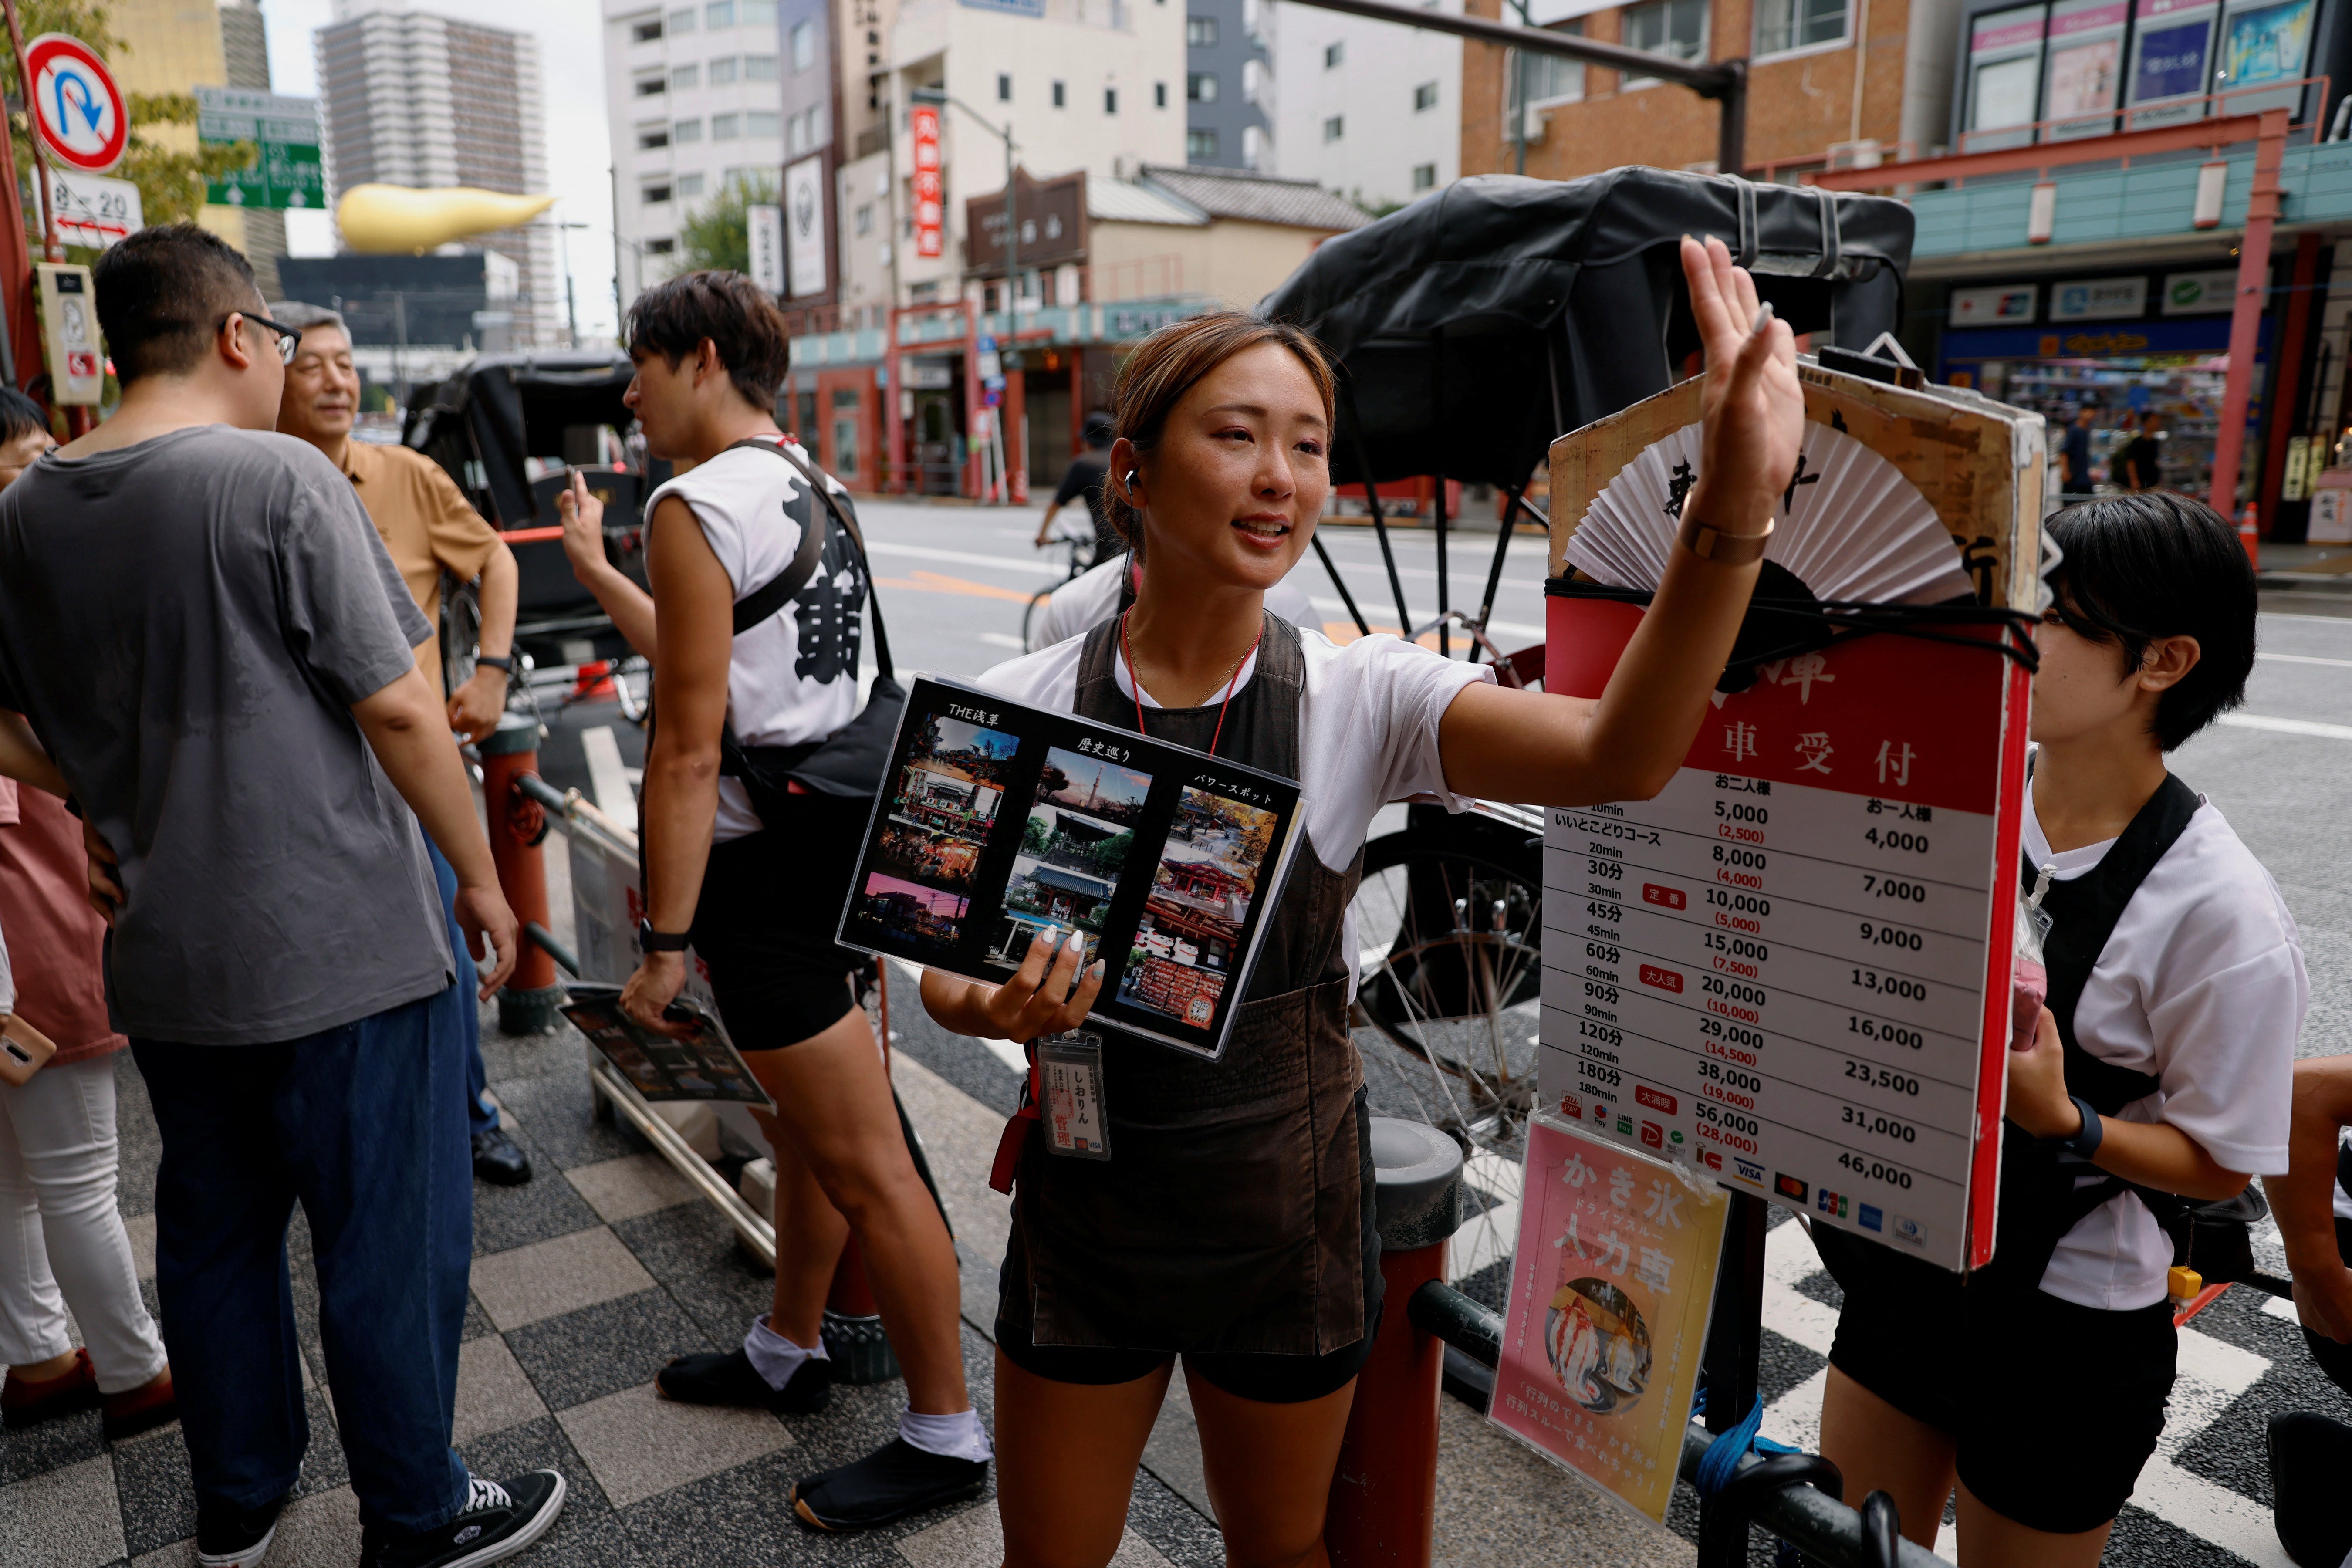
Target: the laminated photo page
pixel 998 823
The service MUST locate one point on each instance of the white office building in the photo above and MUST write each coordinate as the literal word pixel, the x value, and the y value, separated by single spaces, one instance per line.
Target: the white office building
pixel 693 98
pixel 1366 108
pixel 411 98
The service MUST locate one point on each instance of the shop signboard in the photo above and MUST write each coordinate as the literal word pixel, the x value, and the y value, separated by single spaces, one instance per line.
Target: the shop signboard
pixel 2084 67
pixel 763 231
pixel 2010 302
pixel 930 192
pixel 2004 77
pixel 2200 293
pixel 2098 299
pixel 804 226
pixel 1610 1293
pixel 2171 62
pixel 2262 42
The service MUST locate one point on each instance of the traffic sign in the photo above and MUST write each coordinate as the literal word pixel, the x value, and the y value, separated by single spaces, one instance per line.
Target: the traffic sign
pixel 288 172
pixel 83 116
pixel 92 210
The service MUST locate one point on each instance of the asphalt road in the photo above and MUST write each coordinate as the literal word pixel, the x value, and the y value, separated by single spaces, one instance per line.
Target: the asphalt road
pixel 954 582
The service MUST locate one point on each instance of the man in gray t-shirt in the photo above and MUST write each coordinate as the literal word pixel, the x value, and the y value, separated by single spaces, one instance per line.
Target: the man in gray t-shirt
pixel 204 630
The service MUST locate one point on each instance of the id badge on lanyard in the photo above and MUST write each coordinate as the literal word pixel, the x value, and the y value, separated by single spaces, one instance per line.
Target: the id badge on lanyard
pixel 1075 1125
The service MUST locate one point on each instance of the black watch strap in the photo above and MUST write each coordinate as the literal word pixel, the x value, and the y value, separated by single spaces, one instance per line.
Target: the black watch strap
pixel 504 661
pixel 652 941
pixel 2086 1140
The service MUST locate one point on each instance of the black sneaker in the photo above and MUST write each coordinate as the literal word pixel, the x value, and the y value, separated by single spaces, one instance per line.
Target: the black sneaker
pixel 715 1377
pixel 890 1484
pixel 499 1160
pixel 499 1519
pixel 235 1537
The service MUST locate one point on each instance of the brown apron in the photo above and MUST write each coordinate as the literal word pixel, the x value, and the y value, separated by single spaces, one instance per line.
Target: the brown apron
pixel 1231 1215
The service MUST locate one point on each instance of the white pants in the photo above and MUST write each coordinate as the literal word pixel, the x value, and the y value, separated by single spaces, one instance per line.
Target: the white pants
pixel 61 1239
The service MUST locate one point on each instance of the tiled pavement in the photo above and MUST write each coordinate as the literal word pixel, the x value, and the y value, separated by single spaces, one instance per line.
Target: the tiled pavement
pixel 592 1276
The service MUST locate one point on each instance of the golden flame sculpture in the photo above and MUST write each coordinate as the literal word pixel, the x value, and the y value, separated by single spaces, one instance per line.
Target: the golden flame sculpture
pixel 386 219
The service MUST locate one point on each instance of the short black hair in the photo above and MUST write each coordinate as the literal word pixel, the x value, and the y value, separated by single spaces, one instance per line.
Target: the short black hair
pixel 163 292
pixel 2154 564
pixel 673 317
pixel 20 416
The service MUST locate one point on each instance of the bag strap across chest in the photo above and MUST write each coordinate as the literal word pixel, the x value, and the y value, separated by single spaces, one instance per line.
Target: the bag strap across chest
pixel 773 595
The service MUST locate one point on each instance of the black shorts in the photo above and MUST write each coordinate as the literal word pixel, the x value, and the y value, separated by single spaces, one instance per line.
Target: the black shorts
pixel 771 904
pixel 2054 1406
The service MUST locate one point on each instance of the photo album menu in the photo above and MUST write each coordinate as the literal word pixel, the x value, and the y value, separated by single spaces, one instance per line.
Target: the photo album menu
pixel 998 822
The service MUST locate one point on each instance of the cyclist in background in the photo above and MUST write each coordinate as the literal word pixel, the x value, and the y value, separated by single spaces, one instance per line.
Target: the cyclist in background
pixel 1084 477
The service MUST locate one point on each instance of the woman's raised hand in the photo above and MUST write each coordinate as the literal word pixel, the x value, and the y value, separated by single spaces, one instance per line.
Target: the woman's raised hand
pixel 1754 408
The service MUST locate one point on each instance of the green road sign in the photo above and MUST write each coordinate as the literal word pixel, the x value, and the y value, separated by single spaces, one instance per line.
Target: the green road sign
pixel 287 172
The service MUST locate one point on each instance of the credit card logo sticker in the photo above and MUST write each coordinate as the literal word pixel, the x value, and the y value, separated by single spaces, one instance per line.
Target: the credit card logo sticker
pixel 1790 1187
pixel 1872 1218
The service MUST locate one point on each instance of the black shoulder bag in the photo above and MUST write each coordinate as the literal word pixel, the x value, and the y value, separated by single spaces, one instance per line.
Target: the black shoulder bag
pixel 848 762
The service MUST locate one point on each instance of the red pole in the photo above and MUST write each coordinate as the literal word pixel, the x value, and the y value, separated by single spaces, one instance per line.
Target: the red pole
pixel 894 397
pixel 2245 320
pixel 518 825
pixel 50 248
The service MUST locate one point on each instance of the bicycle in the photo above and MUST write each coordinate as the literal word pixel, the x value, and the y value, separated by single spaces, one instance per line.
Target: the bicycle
pixel 1081 560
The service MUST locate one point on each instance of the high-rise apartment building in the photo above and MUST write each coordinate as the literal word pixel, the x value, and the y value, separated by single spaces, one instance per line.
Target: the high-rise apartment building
pixel 416 99
pixel 1228 85
pixel 694 101
pixel 1366 109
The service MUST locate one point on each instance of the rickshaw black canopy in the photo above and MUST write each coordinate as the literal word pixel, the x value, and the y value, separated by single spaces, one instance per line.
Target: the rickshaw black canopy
pixel 1475 325
pixel 498 409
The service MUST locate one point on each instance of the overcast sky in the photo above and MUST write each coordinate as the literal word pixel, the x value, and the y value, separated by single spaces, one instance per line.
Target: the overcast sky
pixel 578 159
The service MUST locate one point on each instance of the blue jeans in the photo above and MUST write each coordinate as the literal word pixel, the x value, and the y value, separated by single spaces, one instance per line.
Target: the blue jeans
pixel 361 1124
pixel 481 1117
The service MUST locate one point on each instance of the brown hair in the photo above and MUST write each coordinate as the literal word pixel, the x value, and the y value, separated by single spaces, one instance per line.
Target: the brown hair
pixel 673 317
pixel 1163 367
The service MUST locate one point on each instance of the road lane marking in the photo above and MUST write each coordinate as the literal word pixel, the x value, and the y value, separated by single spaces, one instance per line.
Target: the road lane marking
pixel 2288 726
pixel 1003 639
pixel 923 581
pixel 2304 658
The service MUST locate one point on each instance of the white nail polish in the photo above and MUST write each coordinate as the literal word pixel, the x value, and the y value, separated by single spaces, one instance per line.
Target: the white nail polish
pixel 1763 318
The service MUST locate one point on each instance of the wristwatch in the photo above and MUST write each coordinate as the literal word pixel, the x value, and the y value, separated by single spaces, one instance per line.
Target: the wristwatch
pixel 1709 543
pixel 2085 1142
pixel 504 661
pixel 652 941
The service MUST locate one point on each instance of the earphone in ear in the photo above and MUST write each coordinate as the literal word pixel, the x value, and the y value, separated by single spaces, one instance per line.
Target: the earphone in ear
pixel 1131 479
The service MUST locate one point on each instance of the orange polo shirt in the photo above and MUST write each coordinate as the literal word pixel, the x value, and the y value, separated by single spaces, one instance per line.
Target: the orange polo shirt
pixel 428 527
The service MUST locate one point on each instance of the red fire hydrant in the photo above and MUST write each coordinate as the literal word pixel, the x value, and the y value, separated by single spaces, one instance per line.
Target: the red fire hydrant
pixel 518 825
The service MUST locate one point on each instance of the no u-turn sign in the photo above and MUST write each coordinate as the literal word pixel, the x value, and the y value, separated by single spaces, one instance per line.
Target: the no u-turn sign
pixel 80 112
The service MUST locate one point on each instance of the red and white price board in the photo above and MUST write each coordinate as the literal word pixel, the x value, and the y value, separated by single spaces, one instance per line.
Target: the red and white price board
pixel 1791 968
pixel 930 192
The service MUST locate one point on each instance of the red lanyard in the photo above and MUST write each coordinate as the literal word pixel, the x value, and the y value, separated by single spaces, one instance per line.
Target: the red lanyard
pixel 1136 680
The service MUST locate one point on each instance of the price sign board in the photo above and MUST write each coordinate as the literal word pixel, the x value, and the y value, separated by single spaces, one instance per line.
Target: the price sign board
pixel 288 172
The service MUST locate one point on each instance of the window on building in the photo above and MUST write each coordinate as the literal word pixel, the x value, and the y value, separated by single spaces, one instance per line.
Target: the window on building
pixel 1004 87
pixel 1061 96
pixel 654 196
pixel 1200 146
pixel 685 78
pixel 745 179
pixel 1201 32
pixel 726 127
pixel 1159 95
pixel 660 246
pixel 1334 56
pixel 1549 79
pixel 1201 87
pixel 763 122
pixel 866 219
pixel 1110 101
pixel 803 44
pixel 1253 80
pixel 689 185
pixel 1424 176
pixel 649 86
pixel 1782 25
pixel 1424 97
pixel 646 32
pixel 1335 128
pixel 757 13
pixel 718 14
pixel 682 20
pixel 1675 29
pixel 1253 146
pixel 687 130
pixel 759 68
pixel 724 69
pixel 650 137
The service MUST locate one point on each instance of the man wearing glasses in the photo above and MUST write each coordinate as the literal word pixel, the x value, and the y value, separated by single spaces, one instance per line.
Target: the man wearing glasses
pixel 211 642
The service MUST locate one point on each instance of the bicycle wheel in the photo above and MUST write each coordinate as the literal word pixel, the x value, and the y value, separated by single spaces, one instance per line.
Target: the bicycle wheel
pixel 1029 643
pixel 1448 929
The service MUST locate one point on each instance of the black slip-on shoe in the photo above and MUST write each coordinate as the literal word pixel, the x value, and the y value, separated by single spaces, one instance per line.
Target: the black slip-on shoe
pixel 499 1519
pixel 728 1377
pixel 890 1484
pixel 499 1160
pixel 230 1537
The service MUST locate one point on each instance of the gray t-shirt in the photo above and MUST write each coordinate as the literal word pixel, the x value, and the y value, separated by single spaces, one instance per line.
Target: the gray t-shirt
pixel 187 622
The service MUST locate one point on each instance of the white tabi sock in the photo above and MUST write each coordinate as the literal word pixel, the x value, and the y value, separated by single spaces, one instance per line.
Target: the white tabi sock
pixel 957 1436
pixel 774 1357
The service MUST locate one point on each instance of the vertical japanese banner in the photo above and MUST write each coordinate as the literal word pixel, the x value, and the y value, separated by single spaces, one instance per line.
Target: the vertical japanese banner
pixel 930 192
pixel 1610 1293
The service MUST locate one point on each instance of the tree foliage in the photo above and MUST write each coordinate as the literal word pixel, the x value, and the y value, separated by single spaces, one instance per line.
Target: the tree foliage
pixel 717 237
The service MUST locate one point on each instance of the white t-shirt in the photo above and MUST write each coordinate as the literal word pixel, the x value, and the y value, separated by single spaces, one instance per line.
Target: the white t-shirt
pixel 793 676
pixel 2202 985
pixel 1087 600
pixel 1367 721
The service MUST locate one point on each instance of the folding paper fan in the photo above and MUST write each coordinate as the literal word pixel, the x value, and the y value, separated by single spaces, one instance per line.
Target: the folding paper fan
pixel 1849 527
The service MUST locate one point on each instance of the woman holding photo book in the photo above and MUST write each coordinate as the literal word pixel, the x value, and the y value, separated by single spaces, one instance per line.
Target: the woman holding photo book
pixel 1233 1223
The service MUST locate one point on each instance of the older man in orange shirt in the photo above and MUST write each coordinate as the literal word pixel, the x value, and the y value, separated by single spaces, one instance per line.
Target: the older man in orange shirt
pixel 428 528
